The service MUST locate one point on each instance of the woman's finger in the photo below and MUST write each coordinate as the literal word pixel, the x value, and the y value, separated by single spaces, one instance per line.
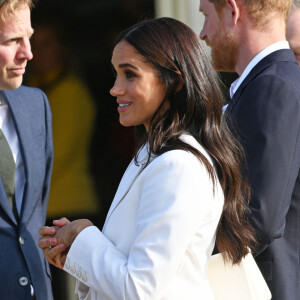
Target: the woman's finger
pixel 61 222
pixel 63 257
pixel 46 230
pixel 53 255
pixel 46 242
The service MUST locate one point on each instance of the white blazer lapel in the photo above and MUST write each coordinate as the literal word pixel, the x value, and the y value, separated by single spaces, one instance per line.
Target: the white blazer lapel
pixel 128 179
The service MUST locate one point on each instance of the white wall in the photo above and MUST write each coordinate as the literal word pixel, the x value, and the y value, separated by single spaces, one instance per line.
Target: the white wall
pixel 186 11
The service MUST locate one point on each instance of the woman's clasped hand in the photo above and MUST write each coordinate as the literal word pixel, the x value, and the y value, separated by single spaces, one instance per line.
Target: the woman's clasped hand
pixel 56 240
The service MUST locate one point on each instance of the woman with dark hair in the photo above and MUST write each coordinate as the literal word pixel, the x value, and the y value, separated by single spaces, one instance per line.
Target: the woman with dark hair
pixel 183 190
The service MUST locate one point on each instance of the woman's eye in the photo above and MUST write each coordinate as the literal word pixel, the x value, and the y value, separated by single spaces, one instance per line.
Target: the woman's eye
pixel 129 74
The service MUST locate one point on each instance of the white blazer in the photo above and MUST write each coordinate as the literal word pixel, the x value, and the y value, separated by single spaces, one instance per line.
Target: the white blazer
pixel 158 235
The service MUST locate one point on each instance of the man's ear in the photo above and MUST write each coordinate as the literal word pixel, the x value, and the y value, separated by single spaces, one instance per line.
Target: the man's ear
pixel 233 7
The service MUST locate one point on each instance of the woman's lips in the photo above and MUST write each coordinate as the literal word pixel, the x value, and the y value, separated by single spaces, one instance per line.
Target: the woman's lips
pixel 124 106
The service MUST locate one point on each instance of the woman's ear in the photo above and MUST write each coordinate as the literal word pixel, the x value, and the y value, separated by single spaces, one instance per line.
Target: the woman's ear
pixel 180 83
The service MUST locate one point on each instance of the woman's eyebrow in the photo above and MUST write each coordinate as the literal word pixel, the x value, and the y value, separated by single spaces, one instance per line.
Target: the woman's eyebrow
pixel 126 65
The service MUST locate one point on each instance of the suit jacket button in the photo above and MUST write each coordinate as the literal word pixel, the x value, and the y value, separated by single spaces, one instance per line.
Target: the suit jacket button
pixel 21 240
pixel 23 281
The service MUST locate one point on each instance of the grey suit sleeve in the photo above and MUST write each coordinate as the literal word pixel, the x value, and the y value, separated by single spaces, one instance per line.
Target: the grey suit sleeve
pixel 48 154
pixel 268 121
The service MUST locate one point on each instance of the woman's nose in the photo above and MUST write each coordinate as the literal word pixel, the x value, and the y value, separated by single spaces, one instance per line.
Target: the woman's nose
pixel 117 89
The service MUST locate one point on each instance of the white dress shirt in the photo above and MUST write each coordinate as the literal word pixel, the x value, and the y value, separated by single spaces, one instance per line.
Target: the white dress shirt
pixel 8 128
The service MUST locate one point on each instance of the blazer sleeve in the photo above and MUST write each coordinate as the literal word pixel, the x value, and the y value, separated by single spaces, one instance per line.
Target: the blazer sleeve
pixel 48 154
pixel 176 201
pixel 268 122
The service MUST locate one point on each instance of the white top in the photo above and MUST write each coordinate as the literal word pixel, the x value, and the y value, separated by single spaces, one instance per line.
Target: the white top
pixel 158 235
pixel 9 130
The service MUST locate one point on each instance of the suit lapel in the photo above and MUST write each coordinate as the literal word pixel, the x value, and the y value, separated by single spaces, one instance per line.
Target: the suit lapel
pixel 18 109
pixel 275 57
pixel 128 179
pixel 3 197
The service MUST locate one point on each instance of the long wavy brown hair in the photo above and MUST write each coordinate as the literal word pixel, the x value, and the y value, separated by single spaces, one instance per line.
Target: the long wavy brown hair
pixel 178 56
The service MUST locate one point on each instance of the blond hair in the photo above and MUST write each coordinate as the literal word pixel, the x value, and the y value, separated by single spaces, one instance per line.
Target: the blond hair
pixel 9 7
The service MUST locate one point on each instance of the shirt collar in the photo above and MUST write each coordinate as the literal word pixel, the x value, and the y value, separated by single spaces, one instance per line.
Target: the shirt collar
pixel 2 100
pixel 270 49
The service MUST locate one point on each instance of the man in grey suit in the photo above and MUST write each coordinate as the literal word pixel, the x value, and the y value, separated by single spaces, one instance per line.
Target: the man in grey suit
pixel 26 154
pixel 248 37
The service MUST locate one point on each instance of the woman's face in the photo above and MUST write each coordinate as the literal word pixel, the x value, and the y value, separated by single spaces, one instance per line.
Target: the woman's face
pixel 137 87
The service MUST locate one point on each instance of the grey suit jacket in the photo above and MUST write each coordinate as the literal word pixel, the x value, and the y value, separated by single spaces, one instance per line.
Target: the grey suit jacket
pixel 22 263
pixel 265 114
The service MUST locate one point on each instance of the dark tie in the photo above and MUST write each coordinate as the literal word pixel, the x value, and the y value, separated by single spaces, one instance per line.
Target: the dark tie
pixel 7 172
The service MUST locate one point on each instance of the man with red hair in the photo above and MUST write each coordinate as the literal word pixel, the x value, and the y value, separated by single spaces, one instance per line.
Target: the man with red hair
pixel 248 37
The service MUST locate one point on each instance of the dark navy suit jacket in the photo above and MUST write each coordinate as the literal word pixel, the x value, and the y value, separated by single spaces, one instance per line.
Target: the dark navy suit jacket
pixel 265 113
pixel 20 257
